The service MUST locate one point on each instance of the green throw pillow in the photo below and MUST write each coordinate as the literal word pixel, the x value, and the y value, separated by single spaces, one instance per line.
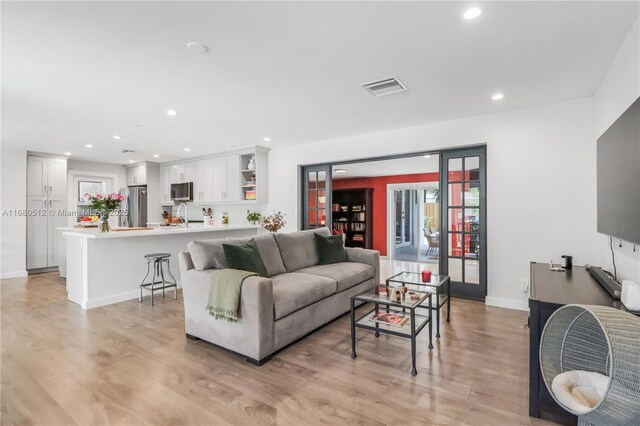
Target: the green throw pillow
pixel 245 257
pixel 330 249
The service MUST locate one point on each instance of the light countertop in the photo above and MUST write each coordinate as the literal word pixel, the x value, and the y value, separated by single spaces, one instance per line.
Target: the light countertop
pixel 160 231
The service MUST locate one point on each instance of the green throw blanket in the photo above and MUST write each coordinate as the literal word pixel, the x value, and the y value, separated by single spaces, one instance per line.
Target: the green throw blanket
pixel 224 294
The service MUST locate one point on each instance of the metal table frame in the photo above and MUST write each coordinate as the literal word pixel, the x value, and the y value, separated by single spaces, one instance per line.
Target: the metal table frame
pixel 398 307
pixel 438 291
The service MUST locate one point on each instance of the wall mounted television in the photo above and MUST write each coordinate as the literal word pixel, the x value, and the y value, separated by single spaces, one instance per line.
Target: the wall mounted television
pixel 619 177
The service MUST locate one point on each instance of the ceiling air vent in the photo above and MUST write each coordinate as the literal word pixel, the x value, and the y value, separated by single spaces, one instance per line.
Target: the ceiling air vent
pixel 126 151
pixel 385 87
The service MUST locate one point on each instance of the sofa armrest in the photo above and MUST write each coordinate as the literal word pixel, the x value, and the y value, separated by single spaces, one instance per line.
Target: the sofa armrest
pixel 251 335
pixel 368 257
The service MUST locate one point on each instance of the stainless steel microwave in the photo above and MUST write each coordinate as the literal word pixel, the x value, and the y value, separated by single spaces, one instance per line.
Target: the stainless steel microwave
pixel 182 191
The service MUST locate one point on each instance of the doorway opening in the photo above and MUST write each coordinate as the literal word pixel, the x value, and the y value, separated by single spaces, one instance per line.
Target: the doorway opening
pixel 420 211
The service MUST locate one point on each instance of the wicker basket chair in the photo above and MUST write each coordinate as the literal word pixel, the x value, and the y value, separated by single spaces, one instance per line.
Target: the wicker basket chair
pixel 596 339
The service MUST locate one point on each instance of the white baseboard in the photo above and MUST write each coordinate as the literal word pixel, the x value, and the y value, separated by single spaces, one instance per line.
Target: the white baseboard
pixel 506 303
pixel 17 274
pixel 109 300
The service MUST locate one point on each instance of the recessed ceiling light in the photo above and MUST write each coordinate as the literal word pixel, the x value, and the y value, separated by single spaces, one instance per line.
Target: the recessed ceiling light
pixel 267 139
pixel 132 161
pixel 197 48
pixel 67 153
pixel 171 112
pixel 116 137
pixel 340 171
pixel 89 145
pixel 427 156
pixel 472 13
pixel 497 96
pixel 187 149
pixel 156 155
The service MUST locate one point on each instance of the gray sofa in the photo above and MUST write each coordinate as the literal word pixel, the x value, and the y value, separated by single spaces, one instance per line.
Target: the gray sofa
pixel 298 296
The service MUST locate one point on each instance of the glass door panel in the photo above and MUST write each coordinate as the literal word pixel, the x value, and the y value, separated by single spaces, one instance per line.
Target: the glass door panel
pixel 317 196
pixel 463 178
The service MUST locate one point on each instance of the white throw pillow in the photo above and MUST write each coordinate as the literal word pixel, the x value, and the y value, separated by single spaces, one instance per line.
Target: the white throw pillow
pixel 580 391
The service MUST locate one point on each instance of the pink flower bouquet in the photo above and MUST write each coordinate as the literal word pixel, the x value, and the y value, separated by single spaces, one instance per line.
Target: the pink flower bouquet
pixel 104 204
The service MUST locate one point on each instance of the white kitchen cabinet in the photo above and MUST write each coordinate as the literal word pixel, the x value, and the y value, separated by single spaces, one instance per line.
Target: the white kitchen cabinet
pixel 183 172
pixel 203 181
pixel 57 177
pixel 137 175
pixel 46 176
pixel 54 220
pixel 47 203
pixel 226 179
pixel 37 176
pixel 165 183
pixel 37 233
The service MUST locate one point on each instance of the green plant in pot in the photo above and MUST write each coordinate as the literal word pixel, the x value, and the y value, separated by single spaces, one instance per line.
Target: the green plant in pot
pixel 253 217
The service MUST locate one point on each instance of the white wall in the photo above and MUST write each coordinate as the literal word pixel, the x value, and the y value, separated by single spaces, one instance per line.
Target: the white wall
pixel 619 88
pixel 13 229
pixel 90 166
pixel 541 183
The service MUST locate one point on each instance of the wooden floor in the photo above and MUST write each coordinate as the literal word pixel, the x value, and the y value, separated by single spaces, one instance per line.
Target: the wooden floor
pixel 131 364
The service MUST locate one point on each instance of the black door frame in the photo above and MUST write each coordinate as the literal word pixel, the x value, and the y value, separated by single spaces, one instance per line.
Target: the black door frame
pixel 459 289
pixel 480 148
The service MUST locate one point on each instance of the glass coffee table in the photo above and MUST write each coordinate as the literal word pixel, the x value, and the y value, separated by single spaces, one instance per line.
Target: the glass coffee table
pixel 401 318
pixel 436 286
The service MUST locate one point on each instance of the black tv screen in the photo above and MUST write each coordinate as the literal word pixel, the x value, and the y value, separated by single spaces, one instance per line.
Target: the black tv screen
pixel 619 177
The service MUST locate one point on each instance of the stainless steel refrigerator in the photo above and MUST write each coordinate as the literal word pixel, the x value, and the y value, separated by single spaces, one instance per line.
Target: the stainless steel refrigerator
pixel 135 206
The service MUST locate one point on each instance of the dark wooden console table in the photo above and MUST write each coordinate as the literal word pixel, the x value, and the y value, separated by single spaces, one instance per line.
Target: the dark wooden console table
pixel 551 290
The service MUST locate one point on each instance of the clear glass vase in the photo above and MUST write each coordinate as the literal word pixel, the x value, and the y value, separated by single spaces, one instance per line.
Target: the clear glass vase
pixel 103 224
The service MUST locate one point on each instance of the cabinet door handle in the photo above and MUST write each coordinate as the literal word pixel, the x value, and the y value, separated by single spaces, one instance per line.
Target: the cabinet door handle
pixel 44 204
pixel 44 189
pixel 50 203
pixel 50 189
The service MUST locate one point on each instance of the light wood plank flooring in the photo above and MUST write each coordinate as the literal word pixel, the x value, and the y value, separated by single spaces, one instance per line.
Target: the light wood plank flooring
pixel 131 364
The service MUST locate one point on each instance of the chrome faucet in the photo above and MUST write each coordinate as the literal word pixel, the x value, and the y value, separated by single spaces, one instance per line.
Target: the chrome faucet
pixel 186 214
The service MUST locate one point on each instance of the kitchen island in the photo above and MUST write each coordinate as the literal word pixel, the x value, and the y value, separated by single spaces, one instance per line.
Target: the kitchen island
pixel 106 268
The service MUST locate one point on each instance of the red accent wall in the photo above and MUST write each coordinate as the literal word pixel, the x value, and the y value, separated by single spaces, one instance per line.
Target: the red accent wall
pixel 379 185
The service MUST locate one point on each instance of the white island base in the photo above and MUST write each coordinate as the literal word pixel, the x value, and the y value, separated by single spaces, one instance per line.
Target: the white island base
pixel 106 268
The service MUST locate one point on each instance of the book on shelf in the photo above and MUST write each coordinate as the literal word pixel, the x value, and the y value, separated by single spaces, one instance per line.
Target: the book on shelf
pixel 397 320
pixel 250 195
pixel 358 237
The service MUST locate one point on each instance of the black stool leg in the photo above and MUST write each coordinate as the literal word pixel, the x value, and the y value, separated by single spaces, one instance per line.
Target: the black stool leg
pixel 174 281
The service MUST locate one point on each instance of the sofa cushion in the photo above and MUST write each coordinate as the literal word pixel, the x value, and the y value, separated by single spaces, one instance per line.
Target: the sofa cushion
pixel 298 249
pixel 208 254
pixel 293 291
pixel 245 257
pixel 330 249
pixel 346 274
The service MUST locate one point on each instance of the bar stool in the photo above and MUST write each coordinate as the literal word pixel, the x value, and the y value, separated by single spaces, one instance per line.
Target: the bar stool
pixel 159 260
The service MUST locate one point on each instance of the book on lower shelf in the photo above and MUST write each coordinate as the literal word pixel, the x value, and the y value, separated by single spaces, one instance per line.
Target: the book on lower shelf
pixel 250 195
pixel 397 320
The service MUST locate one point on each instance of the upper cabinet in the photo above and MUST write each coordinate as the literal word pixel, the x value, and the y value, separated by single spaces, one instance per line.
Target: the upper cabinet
pixel 239 177
pixel 46 176
pixel 137 175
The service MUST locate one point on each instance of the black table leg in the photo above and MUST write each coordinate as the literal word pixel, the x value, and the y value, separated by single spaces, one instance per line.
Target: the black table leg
pixel 430 324
pixel 437 313
pixel 413 343
pixel 353 329
pixel 449 300
pixel 377 325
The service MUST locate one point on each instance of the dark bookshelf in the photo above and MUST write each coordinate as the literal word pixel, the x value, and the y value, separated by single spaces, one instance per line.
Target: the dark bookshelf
pixel 352 212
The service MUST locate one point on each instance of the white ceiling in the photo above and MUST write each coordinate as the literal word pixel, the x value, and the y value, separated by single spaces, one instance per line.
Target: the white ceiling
pixel 398 166
pixel 78 72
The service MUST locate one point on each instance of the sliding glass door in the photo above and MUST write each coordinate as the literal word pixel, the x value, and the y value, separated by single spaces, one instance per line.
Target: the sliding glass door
pixel 464 253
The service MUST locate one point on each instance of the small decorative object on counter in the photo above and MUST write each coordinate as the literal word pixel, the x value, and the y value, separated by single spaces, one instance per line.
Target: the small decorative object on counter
pixel 166 216
pixel 413 295
pixel 253 217
pixel 104 205
pixel 207 216
pixel 252 163
pixel 426 276
pixel 274 222
pixel 225 218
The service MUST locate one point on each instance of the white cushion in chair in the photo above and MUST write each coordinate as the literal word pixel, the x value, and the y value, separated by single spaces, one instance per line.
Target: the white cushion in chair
pixel 579 391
